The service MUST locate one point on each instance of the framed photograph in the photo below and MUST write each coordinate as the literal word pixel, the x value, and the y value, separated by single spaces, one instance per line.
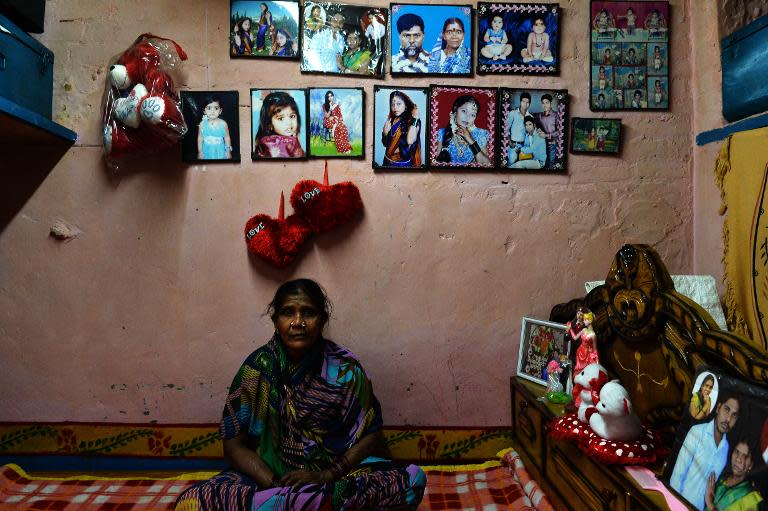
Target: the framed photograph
pixel 431 39
pixel 214 126
pixel 518 38
pixel 462 127
pixel 595 136
pixel 344 39
pixel 278 124
pixel 399 127
pixel 533 126
pixel 540 343
pixel 264 29
pixel 629 55
pixel 337 122
pixel 719 457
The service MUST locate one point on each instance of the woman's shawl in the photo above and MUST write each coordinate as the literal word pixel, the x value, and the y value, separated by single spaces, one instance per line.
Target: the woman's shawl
pixel 301 416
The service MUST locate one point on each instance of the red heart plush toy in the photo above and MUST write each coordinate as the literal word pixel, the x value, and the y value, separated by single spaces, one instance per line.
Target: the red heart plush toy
pixel 277 241
pixel 324 207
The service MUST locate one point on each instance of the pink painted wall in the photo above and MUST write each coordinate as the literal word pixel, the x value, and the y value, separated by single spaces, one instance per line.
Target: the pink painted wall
pixel 148 313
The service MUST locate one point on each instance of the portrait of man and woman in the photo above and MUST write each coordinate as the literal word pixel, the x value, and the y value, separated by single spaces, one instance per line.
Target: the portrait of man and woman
pixel 431 39
pixel 719 460
pixel 399 127
pixel 264 29
pixel 518 38
pixel 533 132
pixel 344 39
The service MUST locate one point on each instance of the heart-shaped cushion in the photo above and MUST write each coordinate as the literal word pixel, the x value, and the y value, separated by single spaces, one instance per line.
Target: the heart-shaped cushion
pixel 325 206
pixel 276 241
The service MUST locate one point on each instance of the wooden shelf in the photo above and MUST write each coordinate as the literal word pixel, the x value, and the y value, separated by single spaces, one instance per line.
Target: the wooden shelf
pixel 21 126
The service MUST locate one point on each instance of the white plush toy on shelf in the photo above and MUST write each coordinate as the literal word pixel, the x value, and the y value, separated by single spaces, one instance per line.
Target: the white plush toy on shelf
pixel 587 384
pixel 614 418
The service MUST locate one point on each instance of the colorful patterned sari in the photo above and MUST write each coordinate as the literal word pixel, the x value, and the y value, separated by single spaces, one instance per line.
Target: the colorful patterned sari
pixel 305 416
pixel 399 152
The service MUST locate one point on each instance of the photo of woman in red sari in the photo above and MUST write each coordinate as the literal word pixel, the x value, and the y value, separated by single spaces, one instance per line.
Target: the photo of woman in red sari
pixel 333 120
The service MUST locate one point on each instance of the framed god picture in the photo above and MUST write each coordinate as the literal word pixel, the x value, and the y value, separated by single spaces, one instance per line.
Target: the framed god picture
pixel 337 122
pixel 533 125
pixel 278 119
pixel 264 29
pixel 518 38
pixel 430 39
pixel 399 127
pixel 214 126
pixel 595 136
pixel 544 347
pixel 629 55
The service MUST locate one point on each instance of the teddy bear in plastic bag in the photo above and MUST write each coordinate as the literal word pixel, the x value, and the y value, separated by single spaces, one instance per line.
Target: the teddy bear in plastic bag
pixel 141 110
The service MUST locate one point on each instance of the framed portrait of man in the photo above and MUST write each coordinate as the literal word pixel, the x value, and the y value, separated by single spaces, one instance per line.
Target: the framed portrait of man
pixel 399 127
pixel 431 39
pixel 264 29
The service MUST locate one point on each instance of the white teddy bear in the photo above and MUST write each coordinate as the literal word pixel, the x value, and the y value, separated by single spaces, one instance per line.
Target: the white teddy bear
pixel 586 384
pixel 615 418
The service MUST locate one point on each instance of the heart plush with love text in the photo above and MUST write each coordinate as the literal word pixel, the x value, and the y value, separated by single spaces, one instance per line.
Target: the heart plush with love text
pixel 277 241
pixel 325 206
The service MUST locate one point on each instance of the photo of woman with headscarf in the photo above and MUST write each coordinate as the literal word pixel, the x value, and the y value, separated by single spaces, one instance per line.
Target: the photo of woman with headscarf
pixel 451 55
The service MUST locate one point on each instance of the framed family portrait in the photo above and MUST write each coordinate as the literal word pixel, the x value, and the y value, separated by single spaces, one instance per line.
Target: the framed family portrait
pixel 462 127
pixel 595 136
pixel 399 127
pixel 518 38
pixel 431 39
pixel 541 342
pixel 533 125
pixel 719 457
pixel 344 39
pixel 214 126
pixel 264 29
pixel 337 122
pixel 278 118
pixel 629 55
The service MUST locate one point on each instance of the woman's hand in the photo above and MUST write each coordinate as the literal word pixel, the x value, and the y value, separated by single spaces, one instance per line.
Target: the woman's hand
pixel 709 495
pixel 387 125
pixel 464 133
pixel 299 478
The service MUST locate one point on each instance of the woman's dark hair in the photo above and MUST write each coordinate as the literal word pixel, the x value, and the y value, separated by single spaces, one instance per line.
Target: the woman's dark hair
pixel 363 44
pixel 445 26
pixel 444 156
pixel 707 378
pixel 240 30
pixel 308 287
pixel 272 103
pixel 407 117
pixel 327 103
pixel 753 447
pixel 312 11
pixel 288 41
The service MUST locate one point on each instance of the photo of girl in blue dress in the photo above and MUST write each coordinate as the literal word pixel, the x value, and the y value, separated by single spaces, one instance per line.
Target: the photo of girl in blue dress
pixel 212 117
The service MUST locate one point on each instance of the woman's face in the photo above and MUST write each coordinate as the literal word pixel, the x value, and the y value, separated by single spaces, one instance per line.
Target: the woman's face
pixel 316 12
pixel 398 106
pixel 285 122
pixel 246 24
pixel 298 322
pixel 706 387
pixel 741 460
pixel 453 36
pixel 353 41
pixel 213 110
pixel 466 115
pixel 329 97
pixel 281 40
pixel 263 8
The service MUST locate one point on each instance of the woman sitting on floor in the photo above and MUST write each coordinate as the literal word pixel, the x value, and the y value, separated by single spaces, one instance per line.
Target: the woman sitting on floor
pixel 301 424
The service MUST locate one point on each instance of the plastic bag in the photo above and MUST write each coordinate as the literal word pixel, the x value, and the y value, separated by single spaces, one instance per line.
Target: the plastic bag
pixel 141 111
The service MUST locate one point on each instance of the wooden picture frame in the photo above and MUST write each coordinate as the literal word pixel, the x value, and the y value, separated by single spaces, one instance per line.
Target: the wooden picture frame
pixel 272 33
pixel 341 134
pixel 540 342
pixel 428 25
pixel 518 38
pixel 590 135
pixel 287 141
pixel 391 149
pixel 205 142
pixel 629 55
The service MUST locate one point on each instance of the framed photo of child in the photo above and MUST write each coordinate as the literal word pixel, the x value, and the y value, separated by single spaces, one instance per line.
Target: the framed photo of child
pixel 518 38
pixel 462 127
pixel 544 349
pixel 214 126
pixel 399 127
pixel 629 55
pixel 344 39
pixel 595 136
pixel 264 29
pixel 533 126
pixel 278 129
pixel 431 39
pixel 337 122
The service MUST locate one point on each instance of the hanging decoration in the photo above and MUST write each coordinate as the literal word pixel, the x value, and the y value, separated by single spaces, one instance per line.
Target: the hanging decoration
pixel 277 241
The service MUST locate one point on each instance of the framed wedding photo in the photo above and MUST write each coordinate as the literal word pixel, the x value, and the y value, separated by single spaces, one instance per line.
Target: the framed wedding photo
pixel 278 124
pixel 540 343
pixel 337 122
pixel 595 136
pixel 264 29
pixel 462 127
pixel 431 39
pixel 629 55
pixel 214 126
pixel 399 127
pixel 533 129
pixel 518 38
pixel 344 39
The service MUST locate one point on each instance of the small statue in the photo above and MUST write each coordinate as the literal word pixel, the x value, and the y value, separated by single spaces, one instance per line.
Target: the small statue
pixel 586 353
pixel 554 369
